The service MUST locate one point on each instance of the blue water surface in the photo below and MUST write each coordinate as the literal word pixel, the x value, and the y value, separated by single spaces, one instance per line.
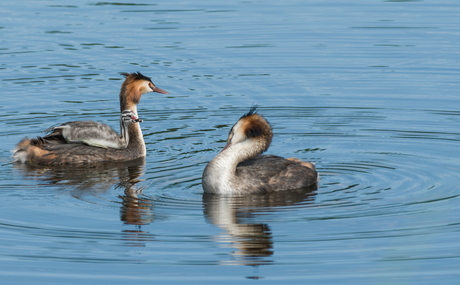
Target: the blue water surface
pixel 366 90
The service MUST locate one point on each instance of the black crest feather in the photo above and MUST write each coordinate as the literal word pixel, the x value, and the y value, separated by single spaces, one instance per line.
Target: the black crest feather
pixel 136 76
pixel 251 112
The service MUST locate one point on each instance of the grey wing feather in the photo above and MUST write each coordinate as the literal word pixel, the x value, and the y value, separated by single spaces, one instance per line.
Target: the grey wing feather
pixel 87 132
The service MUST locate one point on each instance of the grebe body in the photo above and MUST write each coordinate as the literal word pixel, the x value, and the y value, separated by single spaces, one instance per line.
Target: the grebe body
pixel 92 142
pixel 241 169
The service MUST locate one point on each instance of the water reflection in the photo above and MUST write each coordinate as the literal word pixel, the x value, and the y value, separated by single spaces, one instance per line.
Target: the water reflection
pixel 236 215
pixel 97 179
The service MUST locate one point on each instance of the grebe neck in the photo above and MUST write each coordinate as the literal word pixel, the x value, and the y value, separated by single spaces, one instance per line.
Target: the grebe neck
pixel 133 131
pixel 136 139
pixel 220 173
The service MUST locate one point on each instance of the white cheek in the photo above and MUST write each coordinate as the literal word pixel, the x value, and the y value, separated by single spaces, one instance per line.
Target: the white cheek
pixel 145 88
pixel 238 135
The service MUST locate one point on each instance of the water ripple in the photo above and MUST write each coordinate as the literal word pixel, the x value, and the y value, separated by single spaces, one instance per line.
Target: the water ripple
pixel 348 87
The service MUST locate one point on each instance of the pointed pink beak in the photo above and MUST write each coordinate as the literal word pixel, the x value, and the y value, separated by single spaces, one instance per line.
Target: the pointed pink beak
pixel 226 146
pixel 159 90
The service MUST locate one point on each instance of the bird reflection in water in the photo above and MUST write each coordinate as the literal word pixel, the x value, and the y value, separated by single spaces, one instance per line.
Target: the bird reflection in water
pixel 237 216
pixel 99 178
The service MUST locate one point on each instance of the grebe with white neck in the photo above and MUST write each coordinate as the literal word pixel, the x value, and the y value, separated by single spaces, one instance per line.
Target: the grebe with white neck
pixel 62 146
pixel 241 169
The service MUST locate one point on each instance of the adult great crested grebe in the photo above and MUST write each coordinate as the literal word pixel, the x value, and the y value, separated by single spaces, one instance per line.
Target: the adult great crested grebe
pixel 55 149
pixel 241 169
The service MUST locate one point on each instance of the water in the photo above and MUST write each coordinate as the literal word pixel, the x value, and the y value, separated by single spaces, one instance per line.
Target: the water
pixel 368 90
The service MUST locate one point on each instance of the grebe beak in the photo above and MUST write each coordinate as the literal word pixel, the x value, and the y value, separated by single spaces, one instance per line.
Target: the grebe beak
pixel 226 146
pixel 159 90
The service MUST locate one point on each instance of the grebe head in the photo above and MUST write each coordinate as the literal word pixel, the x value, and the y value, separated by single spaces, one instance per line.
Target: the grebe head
pixel 135 85
pixel 251 128
pixel 129 117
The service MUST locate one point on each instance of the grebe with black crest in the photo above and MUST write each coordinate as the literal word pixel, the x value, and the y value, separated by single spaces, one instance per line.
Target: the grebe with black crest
pixel 239 168
pixel 73 143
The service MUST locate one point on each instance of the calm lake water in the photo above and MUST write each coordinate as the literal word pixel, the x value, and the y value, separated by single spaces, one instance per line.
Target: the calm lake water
pixel 367 90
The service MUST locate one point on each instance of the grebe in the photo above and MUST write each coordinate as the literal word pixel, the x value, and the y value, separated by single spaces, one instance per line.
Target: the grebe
pixel 54 149
pixel 95 133
pixel 241 169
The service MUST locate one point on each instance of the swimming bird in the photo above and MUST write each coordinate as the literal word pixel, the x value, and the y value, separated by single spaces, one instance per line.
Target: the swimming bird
pixel 239 168
pixel 59 147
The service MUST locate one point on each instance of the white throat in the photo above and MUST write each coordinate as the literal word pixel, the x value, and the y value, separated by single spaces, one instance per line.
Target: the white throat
pixel 219 175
